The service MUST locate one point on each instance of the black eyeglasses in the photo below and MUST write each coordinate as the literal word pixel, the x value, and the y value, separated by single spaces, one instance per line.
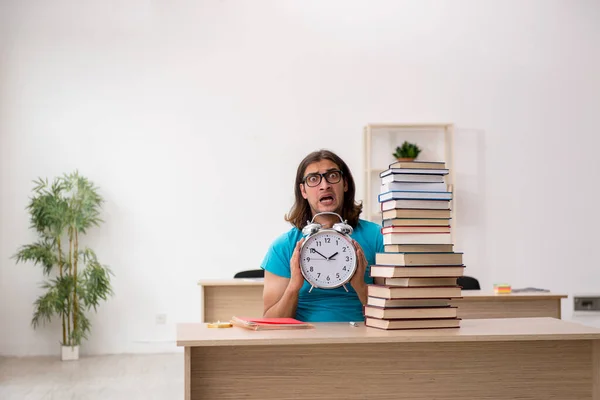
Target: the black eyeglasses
pixel 333 176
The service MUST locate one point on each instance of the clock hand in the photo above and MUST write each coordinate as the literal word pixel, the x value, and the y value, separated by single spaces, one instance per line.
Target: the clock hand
pixel 333 255
pixel 319 254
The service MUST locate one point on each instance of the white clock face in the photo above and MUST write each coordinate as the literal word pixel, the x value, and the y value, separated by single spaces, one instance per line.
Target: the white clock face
pixel 327 259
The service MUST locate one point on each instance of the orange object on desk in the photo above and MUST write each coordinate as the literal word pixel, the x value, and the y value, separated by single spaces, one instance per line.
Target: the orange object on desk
pixel 502 288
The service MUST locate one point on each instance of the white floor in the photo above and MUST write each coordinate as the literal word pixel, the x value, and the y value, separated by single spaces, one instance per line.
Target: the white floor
pixel 115 377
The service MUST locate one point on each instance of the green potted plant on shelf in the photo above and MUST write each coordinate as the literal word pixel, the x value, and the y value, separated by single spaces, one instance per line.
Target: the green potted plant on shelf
pixel 407 152
pixel 61 213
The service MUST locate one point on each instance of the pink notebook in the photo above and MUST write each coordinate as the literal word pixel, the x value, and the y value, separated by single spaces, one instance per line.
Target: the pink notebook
pixel 269 323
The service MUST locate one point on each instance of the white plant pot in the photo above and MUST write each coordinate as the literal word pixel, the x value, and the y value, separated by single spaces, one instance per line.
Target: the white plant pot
pixel 70 353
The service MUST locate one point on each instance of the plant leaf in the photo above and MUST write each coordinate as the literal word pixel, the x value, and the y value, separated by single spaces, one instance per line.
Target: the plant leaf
pixel 41 252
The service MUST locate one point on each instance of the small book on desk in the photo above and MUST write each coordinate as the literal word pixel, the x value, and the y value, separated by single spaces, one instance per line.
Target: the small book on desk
pixel 530 290
pixel 263 324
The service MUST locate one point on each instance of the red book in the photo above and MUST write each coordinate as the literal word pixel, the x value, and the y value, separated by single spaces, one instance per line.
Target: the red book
pixel 269 323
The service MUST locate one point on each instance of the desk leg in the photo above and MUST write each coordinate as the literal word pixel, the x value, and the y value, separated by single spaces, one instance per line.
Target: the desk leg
pixel 202 304
pixel 596 370
pixel 187 372
pixel 559 309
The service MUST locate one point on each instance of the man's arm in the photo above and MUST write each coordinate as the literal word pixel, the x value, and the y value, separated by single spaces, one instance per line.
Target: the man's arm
pixel 279 299
pixel 280 295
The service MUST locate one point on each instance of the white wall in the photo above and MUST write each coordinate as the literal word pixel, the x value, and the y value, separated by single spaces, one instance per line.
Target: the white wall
pixel 175 108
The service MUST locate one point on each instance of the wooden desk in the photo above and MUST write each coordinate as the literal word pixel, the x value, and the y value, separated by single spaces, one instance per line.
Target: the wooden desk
pixel 222 299
pixel 528 359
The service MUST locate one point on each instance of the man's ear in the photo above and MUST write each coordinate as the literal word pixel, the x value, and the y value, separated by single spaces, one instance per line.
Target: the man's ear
pixel 345 185
pixel 303 191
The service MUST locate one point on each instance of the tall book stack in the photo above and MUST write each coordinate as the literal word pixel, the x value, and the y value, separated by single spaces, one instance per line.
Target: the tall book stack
pixel 416 276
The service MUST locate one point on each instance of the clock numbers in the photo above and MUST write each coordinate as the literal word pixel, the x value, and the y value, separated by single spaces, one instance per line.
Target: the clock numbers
pixel 327 240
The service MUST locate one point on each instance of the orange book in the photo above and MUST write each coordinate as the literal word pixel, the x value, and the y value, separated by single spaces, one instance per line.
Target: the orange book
pixel 257 324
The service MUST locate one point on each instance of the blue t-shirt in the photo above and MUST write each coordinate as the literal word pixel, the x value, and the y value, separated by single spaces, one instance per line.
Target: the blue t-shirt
pixel 325 305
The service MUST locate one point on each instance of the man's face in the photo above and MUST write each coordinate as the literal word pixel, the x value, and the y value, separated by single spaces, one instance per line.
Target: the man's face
pixel 325 196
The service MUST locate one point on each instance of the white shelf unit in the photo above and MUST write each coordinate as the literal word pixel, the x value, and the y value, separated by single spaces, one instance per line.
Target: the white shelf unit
pixel 380 141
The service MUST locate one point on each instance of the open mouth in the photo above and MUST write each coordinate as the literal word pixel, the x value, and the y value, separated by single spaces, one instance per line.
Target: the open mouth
pixel 326 200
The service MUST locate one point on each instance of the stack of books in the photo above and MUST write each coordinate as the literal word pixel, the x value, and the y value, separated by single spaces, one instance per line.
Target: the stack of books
pixel 416 276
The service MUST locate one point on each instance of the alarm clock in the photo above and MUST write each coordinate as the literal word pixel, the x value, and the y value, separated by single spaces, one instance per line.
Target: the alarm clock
pixel 327 255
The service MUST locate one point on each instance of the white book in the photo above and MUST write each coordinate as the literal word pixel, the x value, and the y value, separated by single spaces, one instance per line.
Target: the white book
pixel 411 178
pixel 417 238
pixel 413 187
pixel 414 171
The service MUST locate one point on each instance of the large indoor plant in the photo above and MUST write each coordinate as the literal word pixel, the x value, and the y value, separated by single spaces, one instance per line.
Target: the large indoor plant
pixel 61 213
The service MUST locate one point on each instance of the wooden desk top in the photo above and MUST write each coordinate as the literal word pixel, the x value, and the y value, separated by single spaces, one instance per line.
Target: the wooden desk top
pixel 470 294
pixel 475 330
pixel 231 282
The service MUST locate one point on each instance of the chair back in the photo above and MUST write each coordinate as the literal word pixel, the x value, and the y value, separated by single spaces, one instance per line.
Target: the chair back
pixel 251 273
pixel 468 283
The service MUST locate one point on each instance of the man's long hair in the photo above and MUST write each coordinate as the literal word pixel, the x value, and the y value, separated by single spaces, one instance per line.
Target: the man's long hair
pixel 300 212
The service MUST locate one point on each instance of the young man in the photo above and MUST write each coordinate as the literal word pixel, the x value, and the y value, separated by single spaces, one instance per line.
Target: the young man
pixel 323 183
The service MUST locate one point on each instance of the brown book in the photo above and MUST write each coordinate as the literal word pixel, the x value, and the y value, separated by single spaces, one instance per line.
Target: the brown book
pixel 414 213
pixel 402 292
pixel 418 248
pixel 415 204
pixel 419 164
pixel 410 313
pixel 420 259
pixel 415 229
pixel 431 271
pixel 416 282
pixel 412 323
pixel 410 303
pixel 416 222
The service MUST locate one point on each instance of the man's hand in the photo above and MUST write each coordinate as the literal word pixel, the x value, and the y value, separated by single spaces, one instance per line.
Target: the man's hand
pixel 296 279
pixel 358 279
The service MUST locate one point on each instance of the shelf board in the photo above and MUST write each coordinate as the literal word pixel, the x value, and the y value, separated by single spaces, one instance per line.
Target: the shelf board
pixel 408 126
